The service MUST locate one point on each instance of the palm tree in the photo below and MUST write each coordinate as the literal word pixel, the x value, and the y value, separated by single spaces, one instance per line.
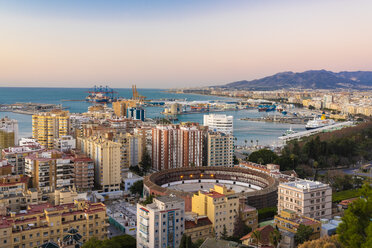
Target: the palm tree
pixel 257 142
pixel 72 236
pixel 257 236
pixel 251 142
pixel 275 238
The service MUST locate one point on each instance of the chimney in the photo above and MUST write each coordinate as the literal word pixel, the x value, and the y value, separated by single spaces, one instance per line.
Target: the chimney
pixel 196 218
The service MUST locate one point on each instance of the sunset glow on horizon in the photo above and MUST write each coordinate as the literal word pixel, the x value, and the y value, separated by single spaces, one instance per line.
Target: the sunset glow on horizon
pixel 163 44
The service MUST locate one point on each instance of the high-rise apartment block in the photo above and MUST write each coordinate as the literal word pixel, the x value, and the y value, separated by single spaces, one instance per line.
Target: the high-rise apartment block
pixel 176 146
pixel 305 197
pixel 16 156
pixel 45 222
pixel 50 170
pixel 161 223
pixel 65 143
pixel 219 123
pixel 8 132
pixel 50 125
pixel 83 173
pixel 106 155
pixel 220 149
pixel 221 205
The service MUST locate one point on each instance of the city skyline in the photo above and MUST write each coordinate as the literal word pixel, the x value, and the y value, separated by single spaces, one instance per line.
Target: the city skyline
pixel 167 44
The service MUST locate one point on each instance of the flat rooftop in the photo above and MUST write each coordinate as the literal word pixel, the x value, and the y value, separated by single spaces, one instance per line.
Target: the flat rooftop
pixel 305 184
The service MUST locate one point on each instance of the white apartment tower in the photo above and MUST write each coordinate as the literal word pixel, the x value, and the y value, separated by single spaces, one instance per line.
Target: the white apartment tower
pixel 161 223
pixel 309 198
pixel 219 123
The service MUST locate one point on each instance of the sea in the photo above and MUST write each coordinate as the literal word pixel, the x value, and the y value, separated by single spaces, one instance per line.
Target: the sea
pixel 263 133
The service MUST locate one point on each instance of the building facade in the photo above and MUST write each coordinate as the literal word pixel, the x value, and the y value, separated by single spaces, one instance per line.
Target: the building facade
pixel 106 155
pixel 175 146
pixel 50 125
pixel 161 223
pixel 45 222
pixel 220 149
pixel 308 198
pixel 84 173
pixel 219 123
pixel 220 205
pixel 65 143
pixel 8 132
pixel 16 156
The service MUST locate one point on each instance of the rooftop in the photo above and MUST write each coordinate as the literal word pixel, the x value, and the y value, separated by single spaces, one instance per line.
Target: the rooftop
pixel 305 184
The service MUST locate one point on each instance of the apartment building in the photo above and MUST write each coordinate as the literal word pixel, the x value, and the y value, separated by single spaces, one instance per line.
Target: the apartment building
pixel 198 227
pixel 220 149
pixel 16 156
pixel 49 170
pixel 176 146
pixel 106 155
pixel 8 132
pixel 12 193
pixel 65 143
pixel 161 223
pixel 219 123
pixel 220 205
pixel 289 221
pixel 45 222
pixel 50 125
pixel 308 198
pixel 83 172
pixel 5 168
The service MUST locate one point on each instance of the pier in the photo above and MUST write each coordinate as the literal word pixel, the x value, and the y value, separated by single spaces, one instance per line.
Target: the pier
pixel 307 133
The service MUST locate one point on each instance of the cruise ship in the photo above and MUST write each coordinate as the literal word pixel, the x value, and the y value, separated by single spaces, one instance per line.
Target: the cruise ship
pixel 319 122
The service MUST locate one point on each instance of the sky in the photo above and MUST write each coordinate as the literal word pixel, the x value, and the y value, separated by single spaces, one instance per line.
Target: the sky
pixel 169 44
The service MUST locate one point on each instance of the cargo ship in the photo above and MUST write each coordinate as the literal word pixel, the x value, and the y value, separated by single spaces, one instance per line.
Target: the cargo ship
pixel 319 122
pixel 101 94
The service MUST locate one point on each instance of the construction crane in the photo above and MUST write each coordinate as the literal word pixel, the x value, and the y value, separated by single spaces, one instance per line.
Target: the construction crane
pixel 137 96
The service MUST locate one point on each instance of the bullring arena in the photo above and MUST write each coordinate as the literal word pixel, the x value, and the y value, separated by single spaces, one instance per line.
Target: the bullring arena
pixel 259 189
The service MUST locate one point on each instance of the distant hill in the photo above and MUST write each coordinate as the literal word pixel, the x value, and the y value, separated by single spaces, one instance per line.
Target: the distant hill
pixel 314 79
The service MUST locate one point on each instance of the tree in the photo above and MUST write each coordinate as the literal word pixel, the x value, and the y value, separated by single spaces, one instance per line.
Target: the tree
pixel 93 243
pixel 137 188
pixel 263 155
pixel 275 237
pixel 186 242
pixel 198 243
pixel 235 160
pixel 323 242
pixel 257 236
pixel 240 228
pixel 303 234
pixel 145 163
pixel 355 230
pixel 149 199
pixel 224 233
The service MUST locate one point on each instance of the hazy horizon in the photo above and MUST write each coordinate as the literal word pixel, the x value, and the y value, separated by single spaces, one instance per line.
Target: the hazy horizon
pixel 168 44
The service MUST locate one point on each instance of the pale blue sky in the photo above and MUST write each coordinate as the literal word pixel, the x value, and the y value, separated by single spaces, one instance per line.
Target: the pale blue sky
pixel 178 43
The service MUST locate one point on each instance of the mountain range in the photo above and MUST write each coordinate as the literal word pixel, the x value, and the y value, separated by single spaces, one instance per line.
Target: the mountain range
pixel 313 79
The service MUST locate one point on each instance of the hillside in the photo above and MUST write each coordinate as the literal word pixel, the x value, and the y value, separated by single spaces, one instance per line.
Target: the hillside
pixel 314 79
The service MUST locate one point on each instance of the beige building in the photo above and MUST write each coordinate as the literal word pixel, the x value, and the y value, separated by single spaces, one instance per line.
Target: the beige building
pixel 161 223
pixel 106 155
pixel 16 156
pixel 45 222
pixel 50 125
pixel 8 133
pixel 220 205
pixel 198 227
pixel 220 149
pixel 50 170
pixel 308 198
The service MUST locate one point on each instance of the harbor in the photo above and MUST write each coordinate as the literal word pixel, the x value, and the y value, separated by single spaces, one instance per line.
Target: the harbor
pixel 29 108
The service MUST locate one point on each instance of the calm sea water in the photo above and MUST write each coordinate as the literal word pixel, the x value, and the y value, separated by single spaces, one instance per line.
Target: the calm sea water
pixel 266 133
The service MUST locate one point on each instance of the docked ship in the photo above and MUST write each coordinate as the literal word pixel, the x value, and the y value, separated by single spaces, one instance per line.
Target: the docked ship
pixel 266 108
pixel 289 131
pixel 319 122
pixel 101 94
